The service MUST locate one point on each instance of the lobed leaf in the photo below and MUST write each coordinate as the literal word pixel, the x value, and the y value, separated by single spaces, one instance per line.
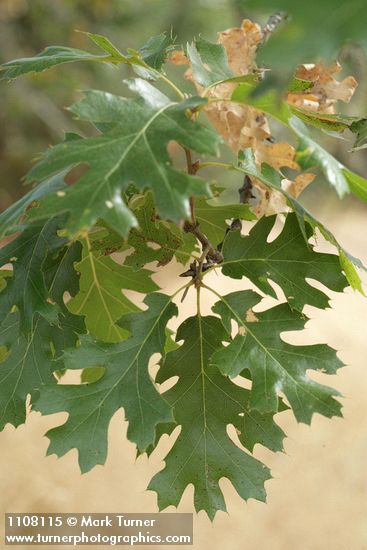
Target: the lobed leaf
pixel 11 217
pixel 274 365
pixel 25 366
pixel 134 150
pixel 359 127
pixel 209 62
pixel 27 288
pixel 151 55
pixel 125 383
pixel 155 50
pixel 273 179
pixel 287 260
pixel 101 299
pixel 167 239
pixel 204 404
pixel 212 217
pixel 48 58
pixel 310 153
pixel 33 354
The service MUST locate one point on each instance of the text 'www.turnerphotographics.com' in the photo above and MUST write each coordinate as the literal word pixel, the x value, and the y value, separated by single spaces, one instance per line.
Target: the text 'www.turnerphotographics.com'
pixel 98 529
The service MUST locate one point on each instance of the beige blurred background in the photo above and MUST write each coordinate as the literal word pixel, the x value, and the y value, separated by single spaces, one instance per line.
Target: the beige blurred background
pixel 318 497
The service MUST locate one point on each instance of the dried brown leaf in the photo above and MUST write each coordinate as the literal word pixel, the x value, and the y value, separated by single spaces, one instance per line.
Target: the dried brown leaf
pixel 296 187
pixel 241 126
pixel 326 90
pixel 271 201
pixel 241 45
pixel 274 202
pixel 276 154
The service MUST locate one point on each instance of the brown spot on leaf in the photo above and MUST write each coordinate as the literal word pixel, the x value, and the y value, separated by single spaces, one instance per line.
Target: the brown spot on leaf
pixel 251 317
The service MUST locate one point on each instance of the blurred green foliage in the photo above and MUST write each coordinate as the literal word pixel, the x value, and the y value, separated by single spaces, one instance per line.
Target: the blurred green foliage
pixel 302 39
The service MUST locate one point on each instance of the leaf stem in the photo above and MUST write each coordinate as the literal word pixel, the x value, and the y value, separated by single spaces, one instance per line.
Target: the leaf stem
pixel 210 164
pixel 165 79
pixel 198 301
pixel 193 226
pixel 191 169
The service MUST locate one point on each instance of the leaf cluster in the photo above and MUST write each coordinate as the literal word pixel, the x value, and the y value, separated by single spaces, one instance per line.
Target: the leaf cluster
pixel 78 272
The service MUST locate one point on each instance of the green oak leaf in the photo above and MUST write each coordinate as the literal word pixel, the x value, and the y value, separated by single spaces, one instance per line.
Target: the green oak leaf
pixel 27 288
pixel 204 404
pixel 273 179
pixel 85 204
pixel 151 231
pixel 105 240
pixel 48 58
pixel 4 275
pixel 310 153
pixel 212 217
pixel 287 261
pixel 10 218
pixel 24 368
pixel 209 64
pixel 150 57
pixel 135 149
pixel 28 363
pixel 155 50
pixel 359 127
pixel 275 366
pixel 125 383
pixel 101 299
pixel 357 184
pixel 60 274
pixel 61 278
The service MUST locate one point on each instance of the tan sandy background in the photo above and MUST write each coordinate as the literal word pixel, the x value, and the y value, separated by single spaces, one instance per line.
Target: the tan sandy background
pixel 318 497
